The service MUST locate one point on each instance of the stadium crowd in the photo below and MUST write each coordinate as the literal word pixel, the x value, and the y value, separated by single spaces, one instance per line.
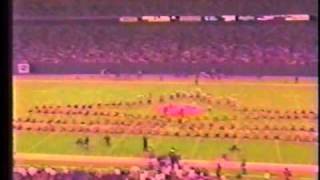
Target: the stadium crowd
pixel 278 49
pixel 177 48
pixel 133 174
pixel 160 7
pixel 159 168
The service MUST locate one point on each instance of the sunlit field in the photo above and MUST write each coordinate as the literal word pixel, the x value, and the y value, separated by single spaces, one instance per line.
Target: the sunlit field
pixel 253 95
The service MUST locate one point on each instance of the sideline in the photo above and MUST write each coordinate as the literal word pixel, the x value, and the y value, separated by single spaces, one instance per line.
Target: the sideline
pixel 103 161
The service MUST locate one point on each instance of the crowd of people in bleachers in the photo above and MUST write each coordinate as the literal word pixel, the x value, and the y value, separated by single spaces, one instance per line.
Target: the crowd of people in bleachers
pixel 159 168
pixel 160 7
pixel 189 48
pixel 52 174
pixel 134 173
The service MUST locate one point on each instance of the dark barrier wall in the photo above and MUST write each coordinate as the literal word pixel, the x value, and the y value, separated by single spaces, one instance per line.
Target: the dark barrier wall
pixel 239 69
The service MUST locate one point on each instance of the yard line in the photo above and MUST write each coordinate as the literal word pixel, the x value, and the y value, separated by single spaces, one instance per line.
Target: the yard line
pixel 155 143
pixel 121 140
pixel 296 100
pixel 50 135
pixel 195 146
pixel 278 151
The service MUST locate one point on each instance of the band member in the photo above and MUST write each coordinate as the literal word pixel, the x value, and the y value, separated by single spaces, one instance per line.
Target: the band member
pixel 107 140
pixel 234 148
pixel 165 110
pixel 174 158
pixel 296 80
pixel 86 142
pixel 196 80
pixel 181 112
pixel 79 141
pixel 145 143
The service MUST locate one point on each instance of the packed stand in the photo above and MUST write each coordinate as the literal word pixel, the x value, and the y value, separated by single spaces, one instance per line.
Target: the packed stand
pixel 160 7
pixel 158 169
pixel 261 48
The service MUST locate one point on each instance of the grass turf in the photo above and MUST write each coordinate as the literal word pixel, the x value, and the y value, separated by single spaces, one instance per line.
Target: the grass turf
pixel 283 96
pixel 190 148
pixel 29 93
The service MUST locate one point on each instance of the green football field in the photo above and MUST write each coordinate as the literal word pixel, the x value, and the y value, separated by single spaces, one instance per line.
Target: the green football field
pixel 29 93
pixel 190 148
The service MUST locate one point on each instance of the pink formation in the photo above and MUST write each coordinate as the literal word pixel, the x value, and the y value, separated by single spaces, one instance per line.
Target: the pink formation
pixel 178 110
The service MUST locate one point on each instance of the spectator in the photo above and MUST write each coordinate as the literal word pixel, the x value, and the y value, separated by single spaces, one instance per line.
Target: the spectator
pixel 218 171
pixel 243 167
pixel 159 7
pixel 287 174
pixel 223 47
pixel 267 175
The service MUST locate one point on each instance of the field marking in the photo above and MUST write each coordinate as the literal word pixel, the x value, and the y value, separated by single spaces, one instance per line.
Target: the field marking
pixel 138 153
pixel 121 140
pixel 295 98
pixel 278 151
pixel 153 145
pixel 50 135
pixel 195 146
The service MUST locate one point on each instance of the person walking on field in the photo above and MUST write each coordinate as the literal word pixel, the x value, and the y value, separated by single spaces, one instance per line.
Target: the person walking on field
pixel 174 157
pixel 79 141
pixel 86 142
pixel 107 140
pixel 196 80
pixel 234 148
pixel 145 143
pixel 296 79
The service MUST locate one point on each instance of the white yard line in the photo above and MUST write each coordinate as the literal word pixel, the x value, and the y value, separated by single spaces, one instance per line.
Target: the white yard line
pixel 122 138
pixel 155 144
pixel 50 135
pixel 278 151
pixel 195 146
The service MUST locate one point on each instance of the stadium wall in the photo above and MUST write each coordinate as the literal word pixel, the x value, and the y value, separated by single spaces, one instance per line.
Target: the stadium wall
pixel 161 7
pixel 173 68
